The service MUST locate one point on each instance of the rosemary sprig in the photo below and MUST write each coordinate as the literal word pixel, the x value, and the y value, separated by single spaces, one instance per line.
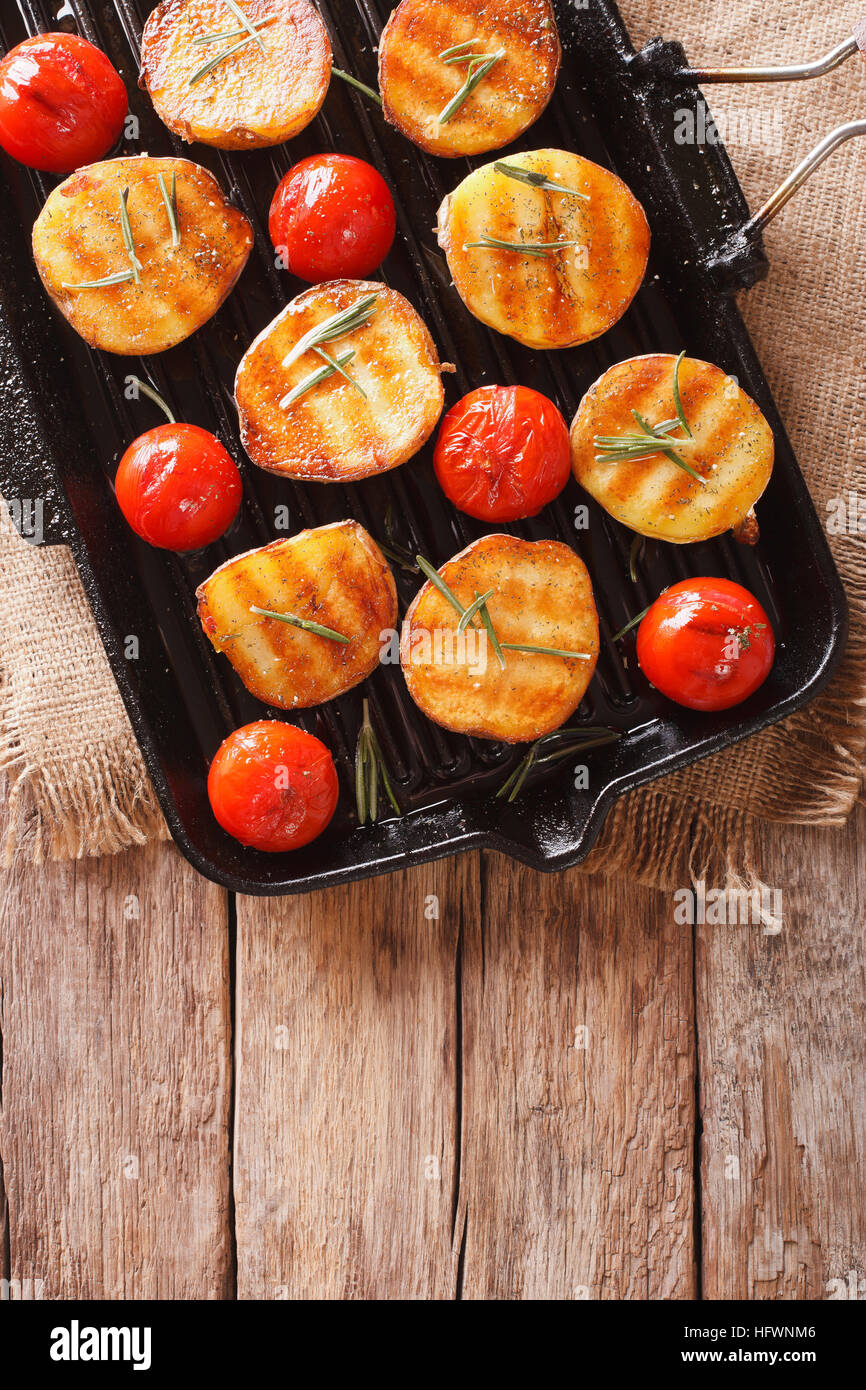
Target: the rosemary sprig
pixel 142 386
pixel 587 737
pixel 337 326
pixel 439 583
pixel 230 33
pixel 545 651
pixel 463 48
pixel 308 626
pixel 170 200
pixel 359 86
pixel 633 622
pixel 322 374
pixel 527 248
pixel 479 67
pixel 535 179
pixel 127 236
pixel 118 278
pixel 369 767
pixel 337 366
pixel 391 550
pixel 653 439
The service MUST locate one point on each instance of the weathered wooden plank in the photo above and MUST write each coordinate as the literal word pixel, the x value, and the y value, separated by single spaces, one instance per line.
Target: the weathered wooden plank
pixel 116 1078
pixel 578 1100
pixel 782 1057
pixel 347 1061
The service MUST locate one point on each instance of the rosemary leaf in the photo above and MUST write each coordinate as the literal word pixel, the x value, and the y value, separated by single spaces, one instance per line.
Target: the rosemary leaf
pixel 118 278
pixel 359 86
pixel 369 767
pixel 439 583
pixel 337 326
pixel 170 200
pixel 245 22
pixel 635 556
pixel 491 633
pixel 336 365
pixel 306 623
pixel 544 651
pixel 478 70
pixel 587 738
pixel 629 625
pixel 455 48
pixel 535 179
pixel 469 613
pixel 678 404
pixel 316 377
pixel 526 248
pixel 127 236
pixel 215 62
pixel 154 396
pixel 215 35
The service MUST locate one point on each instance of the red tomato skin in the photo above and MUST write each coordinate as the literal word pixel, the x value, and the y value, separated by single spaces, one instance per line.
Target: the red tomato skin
pixel 178 487
pixel 502 453
pixel 62 104
pixel 681 644
pixel 332 217
pixel 272 786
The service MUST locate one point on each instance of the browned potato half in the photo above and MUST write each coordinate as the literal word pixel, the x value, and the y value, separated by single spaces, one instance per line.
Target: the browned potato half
pixel 78 238
pixel 543 597
pixel 546 297
pixel 732 450
pixel 335 576
pixel 417 84
pixel 262 93
pixel 336 432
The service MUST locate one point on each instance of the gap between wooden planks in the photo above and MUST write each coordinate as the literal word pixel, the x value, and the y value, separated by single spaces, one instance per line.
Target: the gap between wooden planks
pixel 390 1143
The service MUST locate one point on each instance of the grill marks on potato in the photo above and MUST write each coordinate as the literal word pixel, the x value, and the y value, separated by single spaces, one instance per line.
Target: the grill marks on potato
pixel 332 432
pixel 416 84
pixel 543 596
pixel 253 97
pixel 333 575
pixel 734 449
pixel 569 296
pixel 78 237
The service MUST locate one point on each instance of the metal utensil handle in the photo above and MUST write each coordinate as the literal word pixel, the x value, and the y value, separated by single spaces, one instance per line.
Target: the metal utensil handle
pixel 796 72
pixel 794 181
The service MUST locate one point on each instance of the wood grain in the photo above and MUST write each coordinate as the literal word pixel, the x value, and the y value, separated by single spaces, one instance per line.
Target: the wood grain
pixel 578 1146
pixel 783 1079
pixel 115 1079
pixel 347 1056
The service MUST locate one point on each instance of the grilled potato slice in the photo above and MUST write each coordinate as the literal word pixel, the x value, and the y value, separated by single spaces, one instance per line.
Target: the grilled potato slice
pixel 261 94
pixel 334 433
pixel 554 298
pixel 417 85
pixel 333 575
pixel 732 450
pixel 543 596
pixel 78 237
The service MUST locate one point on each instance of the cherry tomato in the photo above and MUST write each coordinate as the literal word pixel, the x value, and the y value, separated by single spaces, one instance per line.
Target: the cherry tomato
pixel 272 786
pixel 177 487
pixel 332 217
pixel 502 453
pixel 706 643
pixel 61 103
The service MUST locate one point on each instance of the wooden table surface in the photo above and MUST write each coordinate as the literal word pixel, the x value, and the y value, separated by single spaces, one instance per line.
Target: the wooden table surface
pixel 466 1081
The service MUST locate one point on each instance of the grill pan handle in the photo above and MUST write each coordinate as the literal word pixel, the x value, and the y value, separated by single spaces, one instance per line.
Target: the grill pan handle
pixel 796 72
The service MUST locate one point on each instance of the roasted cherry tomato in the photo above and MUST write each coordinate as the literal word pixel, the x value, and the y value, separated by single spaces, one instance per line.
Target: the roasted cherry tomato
pixel 177 487
pixel 272 786
pixel 61 103
pixel 332 217
pixel 502 453
pixel 706 643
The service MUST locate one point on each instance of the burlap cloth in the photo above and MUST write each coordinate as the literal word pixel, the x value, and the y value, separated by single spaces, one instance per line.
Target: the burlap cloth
pixel 76 778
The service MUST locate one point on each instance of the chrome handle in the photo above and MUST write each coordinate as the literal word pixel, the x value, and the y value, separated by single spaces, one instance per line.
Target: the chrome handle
pixel 794 181
pixel 796 72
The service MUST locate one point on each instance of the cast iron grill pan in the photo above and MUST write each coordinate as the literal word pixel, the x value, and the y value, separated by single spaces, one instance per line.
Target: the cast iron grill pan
pixel 70 420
